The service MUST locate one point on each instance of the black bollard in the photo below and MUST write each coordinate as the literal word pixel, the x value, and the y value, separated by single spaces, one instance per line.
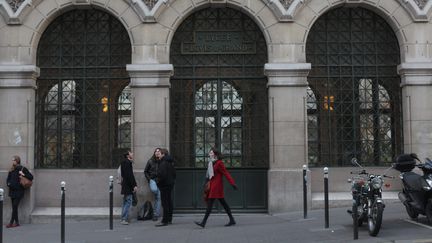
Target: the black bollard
pixel 62 219
pixel 1 213
pixel 111 179
pixel 355 217
pixel 304 192
pixel 326 199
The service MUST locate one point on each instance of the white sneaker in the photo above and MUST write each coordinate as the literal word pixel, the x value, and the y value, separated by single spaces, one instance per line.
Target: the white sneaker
pixel 124 222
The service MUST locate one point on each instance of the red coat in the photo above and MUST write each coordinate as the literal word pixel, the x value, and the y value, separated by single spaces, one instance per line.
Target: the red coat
pixel 216 182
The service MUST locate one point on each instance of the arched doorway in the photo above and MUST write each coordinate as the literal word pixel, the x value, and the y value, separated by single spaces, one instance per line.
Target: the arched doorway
pixel 354 96
pixel 83 101
pixel 219 98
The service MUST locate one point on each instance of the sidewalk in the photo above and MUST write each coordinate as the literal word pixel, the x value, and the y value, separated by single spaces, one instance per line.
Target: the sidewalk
pixel 250 228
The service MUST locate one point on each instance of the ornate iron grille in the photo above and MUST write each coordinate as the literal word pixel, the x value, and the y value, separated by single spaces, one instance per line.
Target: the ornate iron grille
pixel 218 91
pixel 354 99
pixel 82 101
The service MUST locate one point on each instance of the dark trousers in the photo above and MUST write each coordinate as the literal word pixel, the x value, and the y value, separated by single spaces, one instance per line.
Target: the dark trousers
pixel 167 204
pixel 15 204
pixel 210 206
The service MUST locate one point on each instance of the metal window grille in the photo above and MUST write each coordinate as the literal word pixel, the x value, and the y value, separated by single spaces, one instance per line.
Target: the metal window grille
pixel 218 91
pixel 354 99
pixel 82 100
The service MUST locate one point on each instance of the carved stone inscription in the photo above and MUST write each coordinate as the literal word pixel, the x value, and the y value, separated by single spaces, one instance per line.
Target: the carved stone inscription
pixel 219 42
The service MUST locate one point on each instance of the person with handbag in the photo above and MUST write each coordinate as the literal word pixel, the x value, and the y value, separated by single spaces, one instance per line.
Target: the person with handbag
pixel 214 186
pixel 16 189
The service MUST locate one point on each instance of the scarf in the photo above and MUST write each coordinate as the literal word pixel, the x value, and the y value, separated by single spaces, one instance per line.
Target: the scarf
pixel 210 172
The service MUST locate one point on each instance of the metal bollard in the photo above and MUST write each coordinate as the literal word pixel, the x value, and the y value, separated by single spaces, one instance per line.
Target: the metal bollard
pixel 326 199
pixel 304 192
pixel 62 219
pixel 111 179
pixel 1 213
pixel 355 217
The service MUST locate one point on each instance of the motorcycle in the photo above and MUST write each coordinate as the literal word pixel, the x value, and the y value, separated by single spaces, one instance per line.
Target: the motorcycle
pixel 416 193
pixel 366 190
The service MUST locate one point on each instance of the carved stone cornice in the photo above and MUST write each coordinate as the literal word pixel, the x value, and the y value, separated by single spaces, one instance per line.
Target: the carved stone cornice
pixel 414 74
pixel 150 75
pixel 285 10
pixel 148 10
pixel 18 76
pixel 287 74
pixel 14 11
pixel 420 10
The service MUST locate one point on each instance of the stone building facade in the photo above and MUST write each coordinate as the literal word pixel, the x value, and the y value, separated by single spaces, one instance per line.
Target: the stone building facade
pixel 274 84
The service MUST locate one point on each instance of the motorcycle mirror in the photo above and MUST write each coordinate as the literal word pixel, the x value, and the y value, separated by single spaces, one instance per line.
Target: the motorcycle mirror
pixel 354 162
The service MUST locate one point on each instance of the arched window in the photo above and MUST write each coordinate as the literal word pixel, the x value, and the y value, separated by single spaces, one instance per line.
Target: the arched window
pixel 82 100
pixel 218 110
pixel 218 93
pixel 354 55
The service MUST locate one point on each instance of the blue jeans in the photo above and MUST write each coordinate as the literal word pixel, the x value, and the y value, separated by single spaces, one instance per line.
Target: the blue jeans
pixel 157 203
pixel 127 203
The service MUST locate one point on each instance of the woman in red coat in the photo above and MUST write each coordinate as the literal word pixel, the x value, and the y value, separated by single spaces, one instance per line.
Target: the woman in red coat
pixel 215 171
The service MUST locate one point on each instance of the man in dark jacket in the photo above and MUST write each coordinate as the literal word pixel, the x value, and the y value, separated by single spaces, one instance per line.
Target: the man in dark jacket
pixel 150 173
pixel 129 186
pixel 165 181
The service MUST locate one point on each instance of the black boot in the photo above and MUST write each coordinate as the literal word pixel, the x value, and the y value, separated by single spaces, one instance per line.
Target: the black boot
pixel 231 218
pixel 201 224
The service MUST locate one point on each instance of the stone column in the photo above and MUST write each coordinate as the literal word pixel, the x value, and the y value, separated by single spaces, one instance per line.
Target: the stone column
pixel 17 109
pixel 287 84
pixel 416 107
pixel 150 85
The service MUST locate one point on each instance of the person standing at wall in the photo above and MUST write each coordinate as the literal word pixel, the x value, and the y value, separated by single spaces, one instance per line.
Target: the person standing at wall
pixel 150 173
pixel 16 190
pixel 165 179
pixel 128 186
pixel 216 169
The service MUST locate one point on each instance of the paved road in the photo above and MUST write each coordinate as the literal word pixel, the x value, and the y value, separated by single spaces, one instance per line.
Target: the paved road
pixel 250 228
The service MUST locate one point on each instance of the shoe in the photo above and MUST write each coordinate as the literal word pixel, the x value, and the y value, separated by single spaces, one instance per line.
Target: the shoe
pixel 12 225
pixel 199 224
pixel 230 223
pixel 124 222
pixel 170 222
pixel 161 224
pixel 155 218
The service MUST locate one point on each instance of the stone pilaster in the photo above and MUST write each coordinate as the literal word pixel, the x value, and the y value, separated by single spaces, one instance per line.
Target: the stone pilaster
pixel 150 85
pixel 287 83
pixel 17 109
pixel 417 115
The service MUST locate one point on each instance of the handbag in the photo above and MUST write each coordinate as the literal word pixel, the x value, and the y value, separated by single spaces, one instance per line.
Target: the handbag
pixel 25 182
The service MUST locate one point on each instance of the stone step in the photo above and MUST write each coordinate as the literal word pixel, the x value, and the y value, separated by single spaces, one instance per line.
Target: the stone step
pixel 53 214
pixel 344 199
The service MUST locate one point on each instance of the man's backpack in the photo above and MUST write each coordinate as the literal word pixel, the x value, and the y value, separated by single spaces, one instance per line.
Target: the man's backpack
pixel 146 211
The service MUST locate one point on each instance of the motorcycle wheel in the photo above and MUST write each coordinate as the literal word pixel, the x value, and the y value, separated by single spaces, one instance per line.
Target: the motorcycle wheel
pixel 411 212
pixel 375 219
pixel 429 211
